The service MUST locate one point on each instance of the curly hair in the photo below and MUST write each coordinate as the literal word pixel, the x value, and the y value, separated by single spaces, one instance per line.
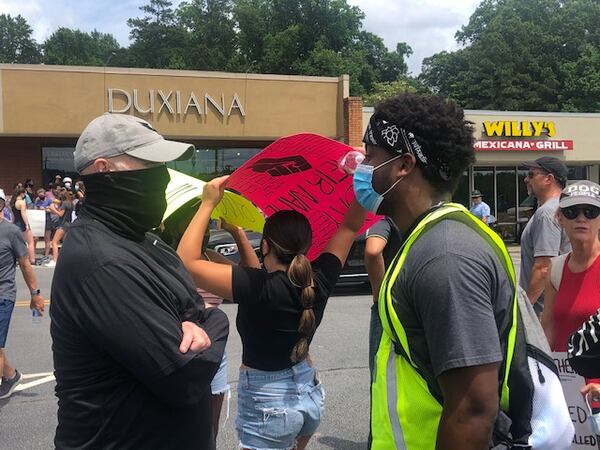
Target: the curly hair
pixel 440 128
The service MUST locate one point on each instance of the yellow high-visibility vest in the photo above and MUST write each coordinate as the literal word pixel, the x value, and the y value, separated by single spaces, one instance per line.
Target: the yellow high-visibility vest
pixel 405 415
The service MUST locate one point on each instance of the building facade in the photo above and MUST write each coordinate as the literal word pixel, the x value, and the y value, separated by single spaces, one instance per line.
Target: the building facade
pixel 504 140
pixel 228 117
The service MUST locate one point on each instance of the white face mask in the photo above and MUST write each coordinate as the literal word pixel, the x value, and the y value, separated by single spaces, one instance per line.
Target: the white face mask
pixel 68 185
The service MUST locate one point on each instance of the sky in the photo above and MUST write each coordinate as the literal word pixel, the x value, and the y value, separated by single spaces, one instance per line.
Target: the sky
pixel 428 26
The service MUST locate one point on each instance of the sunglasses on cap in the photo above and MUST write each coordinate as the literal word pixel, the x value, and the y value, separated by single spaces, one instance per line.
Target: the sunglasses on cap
pixel 571 213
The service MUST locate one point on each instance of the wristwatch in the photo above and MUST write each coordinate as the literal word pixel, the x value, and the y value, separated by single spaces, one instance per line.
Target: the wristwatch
pixel 35 292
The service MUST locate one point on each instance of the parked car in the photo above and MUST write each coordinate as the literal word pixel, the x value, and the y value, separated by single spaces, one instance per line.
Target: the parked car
pixel 354 270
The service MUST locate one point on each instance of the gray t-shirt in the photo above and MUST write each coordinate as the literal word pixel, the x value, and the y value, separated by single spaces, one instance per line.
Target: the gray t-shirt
pixel 542 236
pixel 12 247
pixel 452 296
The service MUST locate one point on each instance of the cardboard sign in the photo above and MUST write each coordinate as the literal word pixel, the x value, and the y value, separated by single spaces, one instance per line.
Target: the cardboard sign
pixel 300 172
pixel 37 221
pixel 584 438
pixel 234 208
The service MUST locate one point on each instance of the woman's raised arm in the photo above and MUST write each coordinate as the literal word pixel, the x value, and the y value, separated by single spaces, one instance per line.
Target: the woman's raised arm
pixel 210 276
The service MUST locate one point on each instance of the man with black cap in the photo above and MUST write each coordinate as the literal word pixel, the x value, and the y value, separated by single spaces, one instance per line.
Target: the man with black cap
pixel 542 237
pixel 134 349
pixel 479 208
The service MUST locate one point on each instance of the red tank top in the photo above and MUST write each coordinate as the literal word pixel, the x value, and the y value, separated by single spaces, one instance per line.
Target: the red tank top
pixel 577 299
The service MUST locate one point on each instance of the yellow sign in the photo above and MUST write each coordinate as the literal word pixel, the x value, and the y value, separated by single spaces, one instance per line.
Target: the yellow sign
pixel 234 208
pixel 534 128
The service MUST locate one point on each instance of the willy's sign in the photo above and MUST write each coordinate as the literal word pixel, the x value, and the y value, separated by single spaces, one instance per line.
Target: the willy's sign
pixel 500 136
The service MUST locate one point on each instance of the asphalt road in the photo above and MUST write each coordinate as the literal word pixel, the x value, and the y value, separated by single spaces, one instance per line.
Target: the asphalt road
pixel 28 418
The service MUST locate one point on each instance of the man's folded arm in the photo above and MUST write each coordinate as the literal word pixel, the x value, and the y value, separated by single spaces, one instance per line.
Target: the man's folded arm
pixel 124 312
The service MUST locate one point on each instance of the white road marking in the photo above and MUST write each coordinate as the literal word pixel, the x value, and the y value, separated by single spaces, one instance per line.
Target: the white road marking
pixel 22 387
pixel 27 376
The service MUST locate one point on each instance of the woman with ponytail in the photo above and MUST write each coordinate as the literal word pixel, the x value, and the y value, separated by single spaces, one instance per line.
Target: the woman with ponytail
pixel 280 306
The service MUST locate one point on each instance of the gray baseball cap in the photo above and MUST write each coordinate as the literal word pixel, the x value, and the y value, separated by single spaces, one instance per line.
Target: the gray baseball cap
pixel 580 193
pixel 118 134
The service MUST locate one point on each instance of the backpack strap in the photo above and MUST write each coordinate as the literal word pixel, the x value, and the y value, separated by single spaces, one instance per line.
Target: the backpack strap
pixel 556 270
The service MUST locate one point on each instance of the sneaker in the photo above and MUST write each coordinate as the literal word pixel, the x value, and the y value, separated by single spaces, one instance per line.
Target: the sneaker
pixel 8 386
pixel 50 264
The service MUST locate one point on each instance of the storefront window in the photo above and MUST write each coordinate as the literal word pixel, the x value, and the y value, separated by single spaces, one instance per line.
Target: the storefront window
pixel 506 202
pixel 483 181
pixel 208 163
pixel 578 173
pixel 462 194
pixel 205 164
pixel 57 161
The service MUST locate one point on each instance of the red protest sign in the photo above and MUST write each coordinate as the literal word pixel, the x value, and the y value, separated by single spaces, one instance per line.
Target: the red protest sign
pixel 300 172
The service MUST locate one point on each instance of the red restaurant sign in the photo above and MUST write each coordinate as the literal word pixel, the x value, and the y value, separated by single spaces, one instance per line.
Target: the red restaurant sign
pixel 527 145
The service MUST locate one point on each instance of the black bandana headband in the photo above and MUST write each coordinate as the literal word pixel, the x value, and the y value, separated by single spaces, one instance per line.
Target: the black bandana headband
pixel 385 134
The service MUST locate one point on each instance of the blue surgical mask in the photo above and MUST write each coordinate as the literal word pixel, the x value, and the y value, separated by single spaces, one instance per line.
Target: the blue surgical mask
pixel 365 194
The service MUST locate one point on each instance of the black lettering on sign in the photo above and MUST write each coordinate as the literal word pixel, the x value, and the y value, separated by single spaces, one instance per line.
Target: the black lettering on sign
pixel 572 411
pixel 336 174
pixel 585 440
pixel 277 167
pixel 343 203
pixel 563 365
pixel 581 415
pixel 337 222
pixel 299 199
pixel 325 185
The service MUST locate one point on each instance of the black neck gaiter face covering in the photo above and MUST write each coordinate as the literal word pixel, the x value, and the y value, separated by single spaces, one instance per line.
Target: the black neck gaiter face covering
pixel 129 203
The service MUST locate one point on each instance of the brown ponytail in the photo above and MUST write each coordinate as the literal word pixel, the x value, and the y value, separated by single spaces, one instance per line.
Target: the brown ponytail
pixel 290 236
pixel 300 274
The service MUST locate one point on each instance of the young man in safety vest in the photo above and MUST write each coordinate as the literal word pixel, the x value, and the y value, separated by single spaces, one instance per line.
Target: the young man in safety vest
pixel 446 299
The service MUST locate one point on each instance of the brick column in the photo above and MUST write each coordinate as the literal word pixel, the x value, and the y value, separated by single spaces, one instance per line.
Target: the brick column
pixel 353 126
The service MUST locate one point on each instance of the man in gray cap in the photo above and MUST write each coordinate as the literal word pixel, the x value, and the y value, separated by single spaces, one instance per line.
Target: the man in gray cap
pixel 134 349
pixel 542 237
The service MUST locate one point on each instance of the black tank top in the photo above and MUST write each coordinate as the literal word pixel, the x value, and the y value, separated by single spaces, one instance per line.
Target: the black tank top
pixel 18 217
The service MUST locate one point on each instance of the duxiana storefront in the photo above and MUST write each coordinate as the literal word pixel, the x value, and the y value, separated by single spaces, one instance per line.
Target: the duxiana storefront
pixel 229 117
pixel 505 140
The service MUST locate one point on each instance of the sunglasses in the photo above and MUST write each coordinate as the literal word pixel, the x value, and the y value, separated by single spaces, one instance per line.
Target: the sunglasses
pixel 571 213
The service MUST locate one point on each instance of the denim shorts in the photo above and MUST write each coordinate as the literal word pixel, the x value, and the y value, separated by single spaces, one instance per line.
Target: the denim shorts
pixel 276 408
pixel 6 309
pixel 219 385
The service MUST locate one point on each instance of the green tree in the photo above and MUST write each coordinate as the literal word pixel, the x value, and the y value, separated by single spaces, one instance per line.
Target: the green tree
pixel 77 48
pixel 211 37
pixel 388 89
pixel 159 40
pixel 16 43
pixel 538 55
pixel 314 37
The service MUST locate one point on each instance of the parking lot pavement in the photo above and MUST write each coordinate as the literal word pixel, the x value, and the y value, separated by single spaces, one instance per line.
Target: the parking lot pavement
pixel 28 418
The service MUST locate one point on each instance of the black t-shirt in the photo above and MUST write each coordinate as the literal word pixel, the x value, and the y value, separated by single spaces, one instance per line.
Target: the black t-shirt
pixel 121 381
pixel 270 308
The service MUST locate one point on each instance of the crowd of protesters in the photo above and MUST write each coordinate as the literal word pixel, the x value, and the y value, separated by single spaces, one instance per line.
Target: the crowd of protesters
pixel 138 335
pixel 60 199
